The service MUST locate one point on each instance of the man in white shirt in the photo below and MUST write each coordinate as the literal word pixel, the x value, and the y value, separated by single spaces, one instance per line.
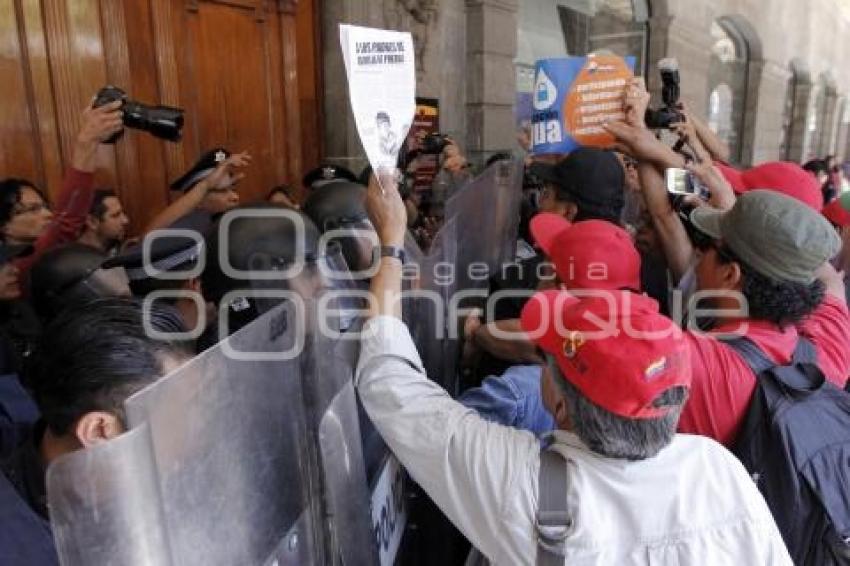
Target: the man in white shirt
pixel 616 379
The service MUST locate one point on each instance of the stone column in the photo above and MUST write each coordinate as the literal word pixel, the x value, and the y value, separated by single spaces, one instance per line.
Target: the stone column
pixel 802 102
pixel 830 125
pixel 766 113
pixel 342 144
pixel 491 32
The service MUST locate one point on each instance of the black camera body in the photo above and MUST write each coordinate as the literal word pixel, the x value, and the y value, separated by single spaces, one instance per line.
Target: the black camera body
pixel 662 118
pixel 434 144
pixel 164 122
pixel 670 92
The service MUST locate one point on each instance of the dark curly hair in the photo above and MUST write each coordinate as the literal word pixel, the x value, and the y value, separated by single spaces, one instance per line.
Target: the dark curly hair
pixel 10 195
pixel 780 302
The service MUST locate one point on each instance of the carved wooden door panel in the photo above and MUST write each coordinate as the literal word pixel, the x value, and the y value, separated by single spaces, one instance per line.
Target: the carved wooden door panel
pixel 226 65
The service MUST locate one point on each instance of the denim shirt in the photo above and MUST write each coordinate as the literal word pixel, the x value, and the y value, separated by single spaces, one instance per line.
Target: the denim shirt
pixel 512 399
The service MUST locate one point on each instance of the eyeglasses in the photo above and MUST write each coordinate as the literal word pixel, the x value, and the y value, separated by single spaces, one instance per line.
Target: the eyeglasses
pixel 30 208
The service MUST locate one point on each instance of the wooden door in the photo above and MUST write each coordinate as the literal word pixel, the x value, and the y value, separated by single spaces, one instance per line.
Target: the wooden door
pixel 245 71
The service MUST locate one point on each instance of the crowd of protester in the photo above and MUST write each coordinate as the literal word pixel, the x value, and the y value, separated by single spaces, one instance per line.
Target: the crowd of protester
pixel 660 441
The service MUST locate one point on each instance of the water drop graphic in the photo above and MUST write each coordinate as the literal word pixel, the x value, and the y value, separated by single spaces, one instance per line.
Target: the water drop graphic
pixel 545 92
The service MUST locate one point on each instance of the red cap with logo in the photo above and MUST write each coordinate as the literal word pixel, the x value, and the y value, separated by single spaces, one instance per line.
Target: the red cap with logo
pixel 613 346
pixel 781 176
pixel 591 254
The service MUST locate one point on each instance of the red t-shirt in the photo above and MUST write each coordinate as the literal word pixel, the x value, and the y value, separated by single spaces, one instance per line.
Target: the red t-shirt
pixel 723 382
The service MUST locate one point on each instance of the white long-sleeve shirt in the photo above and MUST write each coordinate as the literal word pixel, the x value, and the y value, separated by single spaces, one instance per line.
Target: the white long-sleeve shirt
pixel 693 503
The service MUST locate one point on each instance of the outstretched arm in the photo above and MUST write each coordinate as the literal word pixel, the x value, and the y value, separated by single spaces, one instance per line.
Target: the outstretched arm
pixel 717 149
pixel 194 196
pixel 469 467
pixel 75 198
pixel 634 138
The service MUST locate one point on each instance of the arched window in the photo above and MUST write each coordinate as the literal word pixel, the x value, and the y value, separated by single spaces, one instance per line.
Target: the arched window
pixel 561 28
pixel 720 111
pixel 727 80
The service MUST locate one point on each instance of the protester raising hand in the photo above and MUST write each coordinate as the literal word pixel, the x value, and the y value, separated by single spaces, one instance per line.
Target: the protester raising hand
pixel 228 171
pixel 699 133
pixel 636 102
pixel 75 197
pixel 386 209
pixel 389 218
pixel 224 177
pixel 98 125
pixel 640 143
pixel 721 194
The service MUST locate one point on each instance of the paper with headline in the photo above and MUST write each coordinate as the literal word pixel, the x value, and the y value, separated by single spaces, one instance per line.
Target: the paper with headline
pixel 380 66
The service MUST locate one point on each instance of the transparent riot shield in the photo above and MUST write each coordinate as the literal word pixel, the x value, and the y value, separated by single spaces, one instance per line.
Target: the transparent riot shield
pixel 105 506
pixel 215 468
pixel 486 214
pixel 334 303
pixel 334 423
pixel 428 322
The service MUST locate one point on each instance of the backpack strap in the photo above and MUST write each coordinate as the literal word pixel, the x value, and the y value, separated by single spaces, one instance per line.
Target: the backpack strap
pixel 752 354
pixel 800 376
pixel 553 519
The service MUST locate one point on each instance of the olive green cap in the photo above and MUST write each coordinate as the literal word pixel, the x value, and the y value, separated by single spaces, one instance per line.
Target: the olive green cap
pixel 776 235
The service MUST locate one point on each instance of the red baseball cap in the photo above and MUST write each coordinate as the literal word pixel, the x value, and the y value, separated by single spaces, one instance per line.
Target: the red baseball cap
pixel 591 254
pixel 781 176
pixel 838 211
pixel 613 346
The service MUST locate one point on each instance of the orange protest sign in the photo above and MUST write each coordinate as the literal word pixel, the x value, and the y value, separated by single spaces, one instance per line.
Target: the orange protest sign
pixel 596 96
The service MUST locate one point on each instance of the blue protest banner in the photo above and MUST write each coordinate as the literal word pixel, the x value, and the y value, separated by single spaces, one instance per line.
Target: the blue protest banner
pixel 573 97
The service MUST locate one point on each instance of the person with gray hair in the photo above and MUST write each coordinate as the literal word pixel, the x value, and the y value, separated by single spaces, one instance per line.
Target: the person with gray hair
pixel 614 484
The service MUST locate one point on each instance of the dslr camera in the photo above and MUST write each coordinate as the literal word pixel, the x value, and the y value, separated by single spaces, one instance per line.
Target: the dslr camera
pixel 434 144
pixel 164 122
pixel 669 113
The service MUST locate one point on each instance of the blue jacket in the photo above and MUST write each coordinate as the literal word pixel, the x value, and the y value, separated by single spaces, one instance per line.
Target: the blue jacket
pixel 512 399
pixel 18 414
pixel 25 537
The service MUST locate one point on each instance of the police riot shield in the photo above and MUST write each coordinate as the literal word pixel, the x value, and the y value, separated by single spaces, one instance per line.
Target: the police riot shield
pixel 214 469
pixel 334 303
pixel 105 506
pixel 335 424
pixel 427 321
pixel 486 213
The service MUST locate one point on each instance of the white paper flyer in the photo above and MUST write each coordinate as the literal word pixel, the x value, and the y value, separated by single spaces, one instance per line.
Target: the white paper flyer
pixel 380 66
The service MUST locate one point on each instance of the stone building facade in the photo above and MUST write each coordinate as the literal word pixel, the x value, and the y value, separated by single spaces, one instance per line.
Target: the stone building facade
pixel 766 74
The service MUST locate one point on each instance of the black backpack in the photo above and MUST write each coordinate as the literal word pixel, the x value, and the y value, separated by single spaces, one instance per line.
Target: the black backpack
pixel 795 443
